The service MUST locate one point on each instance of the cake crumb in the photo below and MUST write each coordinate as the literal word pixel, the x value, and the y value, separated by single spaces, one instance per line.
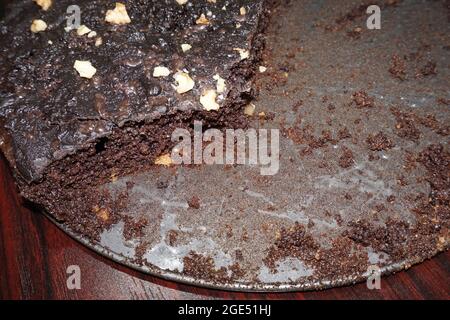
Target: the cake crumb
pixel 194 202
pixel 346 159
pixel 363 100
pixel 379 142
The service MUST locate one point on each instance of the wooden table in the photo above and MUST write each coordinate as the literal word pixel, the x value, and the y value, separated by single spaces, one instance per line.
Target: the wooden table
pixel 35 255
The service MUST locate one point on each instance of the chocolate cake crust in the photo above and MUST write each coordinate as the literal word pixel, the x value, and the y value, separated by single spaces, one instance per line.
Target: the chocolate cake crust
pixel 48 111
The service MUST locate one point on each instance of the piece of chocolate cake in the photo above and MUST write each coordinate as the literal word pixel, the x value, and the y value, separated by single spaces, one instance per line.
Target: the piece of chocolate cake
pixel 82 104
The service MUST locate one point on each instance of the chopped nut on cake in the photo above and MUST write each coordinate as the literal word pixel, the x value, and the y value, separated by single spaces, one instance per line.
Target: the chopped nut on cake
pixel 85 69
pixel 118 16
pixel 38 25
pixel 184 82
pixel 161 71
pixel 208 100
pixel 44 4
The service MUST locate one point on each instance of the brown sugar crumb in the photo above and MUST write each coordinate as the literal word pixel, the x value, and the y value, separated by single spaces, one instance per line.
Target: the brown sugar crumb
pixel 202 267
pixel 398 238
pixel 409 162
pixel 379 142
pixel 398 67
pixel 305 136
pixel 389 239
pixel 194 203
pixel 346 159
pixel 236 271
pixel 344 134
pixel 362 100
pixel 391 199
pixel 432 123
pixel 443 101
pixel 401 181
pixel 405 126
pixel 172 237
pixel 140 251
pixel 293 242
pixel 134 228
pixel 437 163
pixel 344 257
pixel 428 69
pixel 355 33
pixel 373 157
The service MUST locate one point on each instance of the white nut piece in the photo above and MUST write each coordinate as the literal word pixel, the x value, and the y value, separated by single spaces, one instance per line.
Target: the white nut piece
pixel 243 11
pixel 98 42
pixel 38 25
pixel 250 109
pixel 161 72
pixel 84 68
pixel 262 69
pixel 164 160
pixel 44 4
pixel 181 2
pixel 184 82
pixel 202 20
pixel 245 54
pixel 221 85
pixel 208 100
pixel 82 30
pixel 186 47
pixel 118 16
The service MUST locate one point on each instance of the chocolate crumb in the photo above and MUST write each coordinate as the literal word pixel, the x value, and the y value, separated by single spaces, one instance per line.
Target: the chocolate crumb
pixel 428 69
pixel 194 202
pixel 390 199
pixel 172 237
pixel 346 159
pixel 398 68
pixel 379 142
pixel 363 100
pixel 405 126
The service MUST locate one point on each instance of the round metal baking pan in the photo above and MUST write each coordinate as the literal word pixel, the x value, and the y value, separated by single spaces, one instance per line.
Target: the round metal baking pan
pixel 315 62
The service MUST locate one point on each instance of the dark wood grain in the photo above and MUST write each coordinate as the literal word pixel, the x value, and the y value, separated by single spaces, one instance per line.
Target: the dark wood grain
pixel 35 254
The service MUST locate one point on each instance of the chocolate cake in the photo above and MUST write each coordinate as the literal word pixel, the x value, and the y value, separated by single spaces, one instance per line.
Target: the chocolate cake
pixel 84 103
